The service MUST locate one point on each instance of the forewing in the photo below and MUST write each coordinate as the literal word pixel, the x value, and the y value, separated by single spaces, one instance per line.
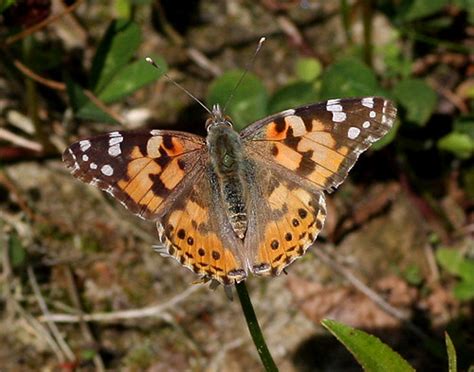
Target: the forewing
pixel 196 232
pixel 144 170
pixel 321 142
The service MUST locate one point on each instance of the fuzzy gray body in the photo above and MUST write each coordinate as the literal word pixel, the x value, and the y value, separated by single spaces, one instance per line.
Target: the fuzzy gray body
pixel 227 162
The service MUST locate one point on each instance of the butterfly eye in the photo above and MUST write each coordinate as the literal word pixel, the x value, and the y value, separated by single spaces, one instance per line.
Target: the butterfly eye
pixel 228 120
pixel 209 122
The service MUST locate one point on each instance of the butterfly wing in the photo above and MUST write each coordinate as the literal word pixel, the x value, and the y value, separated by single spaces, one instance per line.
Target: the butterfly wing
pixel 321 142
pixel 144 170
pixel 196 232
pixel 285 217
pixel 297 154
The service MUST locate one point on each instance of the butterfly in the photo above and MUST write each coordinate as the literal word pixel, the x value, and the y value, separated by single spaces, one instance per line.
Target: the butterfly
pixel 235 203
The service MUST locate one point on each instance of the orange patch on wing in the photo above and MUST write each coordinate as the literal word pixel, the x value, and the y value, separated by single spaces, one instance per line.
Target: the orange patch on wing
pixel 136 153
pixel 273 132
pixel 323 138
pixel 317 126
pixel 322 155
pixel 136 166
pixel 154 202
pixel 176 148
pixel 172 175
pixel 278 197
pixel 288 237
pixel 287 157
pixel 138 182
pixel 198 213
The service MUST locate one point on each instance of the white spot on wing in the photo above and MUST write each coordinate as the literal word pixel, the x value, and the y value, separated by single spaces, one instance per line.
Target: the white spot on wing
pixel 115 134
pixel 85 145
pixel 107 170
pixel 287 112
pixel 333 108
pixel 368 102
pixel 115 140
pixel 93 166
pixel 331 102
pixel 85 157
pixel 372 114
pixel 367 124
pixel 115 150
pixel 338 116
pixel 353 132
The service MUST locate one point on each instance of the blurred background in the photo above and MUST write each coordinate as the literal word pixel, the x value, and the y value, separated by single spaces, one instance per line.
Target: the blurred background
pixel 395 258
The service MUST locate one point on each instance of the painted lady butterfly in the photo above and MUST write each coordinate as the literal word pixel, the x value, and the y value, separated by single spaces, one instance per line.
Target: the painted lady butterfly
pixel 231 203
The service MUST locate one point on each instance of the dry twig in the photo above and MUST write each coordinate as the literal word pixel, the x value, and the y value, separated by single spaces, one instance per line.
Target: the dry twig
pixel 151 311
pixel 38 26
pixel 372 295
pixel 51 325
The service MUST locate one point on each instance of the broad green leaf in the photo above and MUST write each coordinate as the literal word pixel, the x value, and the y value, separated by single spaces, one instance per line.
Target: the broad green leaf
pixel 291 96
pixel 249 101
pixel 455 263
pixel 5 4
pixel 459 144
pixel 465 124
pixel 118 45
pixel 468 6
pixel 131 78
pixel 349 78
pixel 16 251
pixel 423 8
pixel 417 98
pixel 464 290
pixel 452 360
pixel 308 69
pixel 82 106
pixel 371 353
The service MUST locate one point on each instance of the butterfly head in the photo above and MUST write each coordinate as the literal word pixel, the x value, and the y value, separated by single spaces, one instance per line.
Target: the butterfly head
pixel 217 118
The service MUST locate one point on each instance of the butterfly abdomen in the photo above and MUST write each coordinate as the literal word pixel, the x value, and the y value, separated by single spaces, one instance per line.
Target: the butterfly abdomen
pixel 226 153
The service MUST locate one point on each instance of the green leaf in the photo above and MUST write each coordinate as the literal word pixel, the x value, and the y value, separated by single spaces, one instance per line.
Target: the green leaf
pixel 423 8
pixel 82 106
pixel 371 353
pixel 16 251
pixel 349 78
pixel 412 275
pixel 249 101
pixel 308 69
pixel 465 124
pixel 452 361
pixel 116 48
pixel 464 290
pixel 291 96
pixel 5 4
pixel 468 6
pixel 459 144
pixel 455 263
pixel 131 78
pixel 417 98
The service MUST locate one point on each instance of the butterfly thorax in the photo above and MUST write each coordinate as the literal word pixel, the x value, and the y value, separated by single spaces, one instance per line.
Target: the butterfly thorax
pixel 227 159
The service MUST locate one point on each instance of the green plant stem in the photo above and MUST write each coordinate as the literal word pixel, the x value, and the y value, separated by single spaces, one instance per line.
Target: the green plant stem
pixel 254 328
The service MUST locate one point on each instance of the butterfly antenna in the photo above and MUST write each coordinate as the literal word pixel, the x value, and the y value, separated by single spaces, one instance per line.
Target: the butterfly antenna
pixel 247 68
pixel 153 63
